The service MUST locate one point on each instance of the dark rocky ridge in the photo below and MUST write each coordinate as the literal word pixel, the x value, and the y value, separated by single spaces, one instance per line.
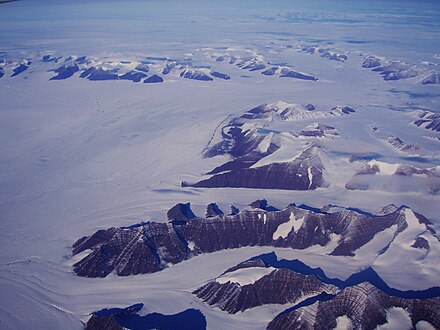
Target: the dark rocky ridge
pixel 97 74
pixel 431 78
pixel 288 281
pixel 281 286
pixel 21 68
pixel 65 71
pixel 153 79
pixel 189 73
pixel 142 67
pixel 327 53
pixel 253 64
pixel 128 318
pixel 49 58
pixel 371 62
pixel 220 75
pixel 213 210
pixel 303 173
pixel 429 120
pixel 133 76
pixel 397 70
pixel 391 70
pixel 150 247
pixel 181 212
pixel 363 304
pixel 247 139
pixel 298 75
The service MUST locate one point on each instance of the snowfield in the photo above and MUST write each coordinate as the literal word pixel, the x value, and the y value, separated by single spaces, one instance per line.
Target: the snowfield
pixel 78 155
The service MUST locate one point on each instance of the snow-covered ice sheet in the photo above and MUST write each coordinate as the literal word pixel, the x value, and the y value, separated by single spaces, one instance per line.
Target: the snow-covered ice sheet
pixel 78 155
pixel 245 276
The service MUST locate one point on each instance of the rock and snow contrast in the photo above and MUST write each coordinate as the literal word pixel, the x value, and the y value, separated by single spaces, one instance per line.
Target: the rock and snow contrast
pixel 129 318
pixel 254 141
pixel 363 300
pixel 428 120
pixel 257 63
pixel 397 70
pixel 152 246
pixel 254 283
pixel 380 175
pixel 112 111
pixel 362 307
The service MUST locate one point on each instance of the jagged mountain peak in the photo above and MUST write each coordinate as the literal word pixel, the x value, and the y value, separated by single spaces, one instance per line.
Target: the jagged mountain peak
pixel 388 209
pixel 150 246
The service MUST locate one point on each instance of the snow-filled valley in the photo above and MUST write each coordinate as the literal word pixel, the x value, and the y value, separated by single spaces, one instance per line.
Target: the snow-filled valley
pixel 112 112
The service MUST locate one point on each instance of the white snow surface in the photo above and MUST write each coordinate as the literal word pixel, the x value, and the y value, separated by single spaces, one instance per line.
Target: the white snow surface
pixel 397 318
pixel 245 276
pixel 343 323
pixel 384 168
pixel 284 229
pixel 78 156
pixel 191 245
pixel 423 325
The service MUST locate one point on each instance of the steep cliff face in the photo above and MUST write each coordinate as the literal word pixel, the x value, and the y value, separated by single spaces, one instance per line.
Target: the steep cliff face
pixel 254 142
pixel 363 307
pixel 253 283
pixel 129 318
pixel 129 251
pixel 362 301
pixel 304 172
pixel 150 247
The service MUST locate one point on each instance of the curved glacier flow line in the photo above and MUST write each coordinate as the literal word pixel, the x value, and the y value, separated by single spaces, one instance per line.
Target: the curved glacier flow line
pixel 215 132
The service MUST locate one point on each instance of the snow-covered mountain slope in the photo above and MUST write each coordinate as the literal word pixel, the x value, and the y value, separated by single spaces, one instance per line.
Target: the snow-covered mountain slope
pixel 150 247
pixel 80 155
pixel 397 70
pixel 328 53
pixel 258 63
pixel 253 142
pixel 266 279
pixel 361 307
pixel 304 171
pixel 290 112
pixel 233 291
pixel 380 175
pixel 428 120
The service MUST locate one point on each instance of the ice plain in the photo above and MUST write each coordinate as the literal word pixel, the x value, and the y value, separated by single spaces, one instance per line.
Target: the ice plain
pixel 78 155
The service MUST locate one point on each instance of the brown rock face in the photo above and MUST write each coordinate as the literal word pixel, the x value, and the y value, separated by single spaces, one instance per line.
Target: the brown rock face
pixel 103 323
pixel 281 286
pixel 149 247
pixel 303 173
pixel 181 212
pixel 364 305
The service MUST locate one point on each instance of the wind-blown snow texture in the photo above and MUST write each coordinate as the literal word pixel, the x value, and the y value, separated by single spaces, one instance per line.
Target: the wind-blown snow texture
pixel 108 106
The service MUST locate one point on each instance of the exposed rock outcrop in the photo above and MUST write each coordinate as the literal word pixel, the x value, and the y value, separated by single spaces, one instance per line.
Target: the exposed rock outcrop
pixel 129 318
pixel 153 79
pixel 94 73
pixel 219 75
pixel 269 286
pixel 189 73
pixel 213 210
pixel 248 139
pixel 428 120
pixel 181 212
pixel 364 305
pixel 305 172
pixel 65 71
pixel 133 76
pixel 150 247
